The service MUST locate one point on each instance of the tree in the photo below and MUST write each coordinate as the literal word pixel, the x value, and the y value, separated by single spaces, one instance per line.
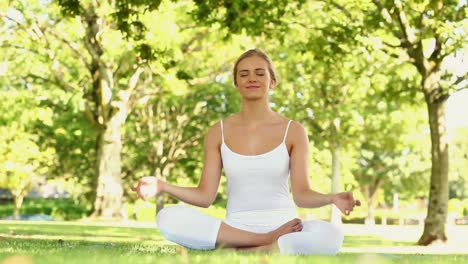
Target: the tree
pixel 390 155
pixel 109 68
pixel 21 158
pixel 168 134
pixel 326 74
pixel 426 34
pixel 94 61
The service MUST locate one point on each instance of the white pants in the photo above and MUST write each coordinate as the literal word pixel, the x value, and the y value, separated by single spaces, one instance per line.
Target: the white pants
pixel 193 229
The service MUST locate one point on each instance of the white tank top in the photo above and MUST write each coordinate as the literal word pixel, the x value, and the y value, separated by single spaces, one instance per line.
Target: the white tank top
pixel 258 187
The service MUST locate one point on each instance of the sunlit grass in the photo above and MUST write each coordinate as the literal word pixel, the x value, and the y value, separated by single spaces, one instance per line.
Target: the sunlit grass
pixel 74 242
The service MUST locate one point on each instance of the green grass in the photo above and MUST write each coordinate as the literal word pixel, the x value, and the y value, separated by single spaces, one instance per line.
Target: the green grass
pixel 73 242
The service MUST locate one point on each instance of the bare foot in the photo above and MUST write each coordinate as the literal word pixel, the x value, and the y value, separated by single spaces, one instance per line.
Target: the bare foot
pixel 294 225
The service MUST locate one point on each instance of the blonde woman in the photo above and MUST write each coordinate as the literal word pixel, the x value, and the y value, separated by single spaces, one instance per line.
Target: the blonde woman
pixel 260 151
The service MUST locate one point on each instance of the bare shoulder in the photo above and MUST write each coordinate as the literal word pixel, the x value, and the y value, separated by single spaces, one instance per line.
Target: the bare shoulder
pixel 213 135
pixel 232 119
pixel 297 132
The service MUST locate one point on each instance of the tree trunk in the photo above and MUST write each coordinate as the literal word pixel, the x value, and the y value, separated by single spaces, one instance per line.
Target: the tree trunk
pixel 159 198
pixel 108 116
pixel 109 191
pixel 159 203
pixel 370 193
pixel 434 227
pixel 335 152
pixel 370 219
pixel 18 200
pixel 162 172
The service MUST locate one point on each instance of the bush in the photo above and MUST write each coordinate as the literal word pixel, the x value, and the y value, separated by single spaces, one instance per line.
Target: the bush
pixel 142 211
pixel 465 207
pixel 60 209
pixel 456 206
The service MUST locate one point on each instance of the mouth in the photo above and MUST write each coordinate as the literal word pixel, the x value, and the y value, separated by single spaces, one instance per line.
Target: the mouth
pixel 252 87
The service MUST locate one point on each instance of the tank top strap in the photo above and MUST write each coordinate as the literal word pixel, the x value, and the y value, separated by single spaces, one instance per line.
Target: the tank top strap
pixel 222 131
pixel 286 133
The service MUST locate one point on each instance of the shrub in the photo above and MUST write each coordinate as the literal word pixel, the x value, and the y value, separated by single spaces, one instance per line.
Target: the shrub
pixel 60 209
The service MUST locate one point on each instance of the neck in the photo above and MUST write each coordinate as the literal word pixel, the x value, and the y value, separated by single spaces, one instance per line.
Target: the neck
pixel 255 111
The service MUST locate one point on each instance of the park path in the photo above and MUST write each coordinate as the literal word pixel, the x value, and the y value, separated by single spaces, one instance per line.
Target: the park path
pixel 457 240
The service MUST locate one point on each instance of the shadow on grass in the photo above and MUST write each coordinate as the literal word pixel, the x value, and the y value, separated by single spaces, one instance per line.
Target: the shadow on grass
pixel 79 232
pixel 113 245
pixel 372 241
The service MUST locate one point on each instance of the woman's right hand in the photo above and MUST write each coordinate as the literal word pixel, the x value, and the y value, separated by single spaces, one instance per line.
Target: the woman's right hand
pixel 147 187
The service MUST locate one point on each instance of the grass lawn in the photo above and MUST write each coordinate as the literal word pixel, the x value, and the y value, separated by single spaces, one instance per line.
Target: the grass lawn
pixel 75 242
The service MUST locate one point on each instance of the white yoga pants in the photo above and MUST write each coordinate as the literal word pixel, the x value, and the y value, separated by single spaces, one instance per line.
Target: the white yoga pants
pixel 193 229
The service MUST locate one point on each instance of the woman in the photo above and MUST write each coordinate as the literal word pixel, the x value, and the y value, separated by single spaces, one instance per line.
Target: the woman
pixel 259 150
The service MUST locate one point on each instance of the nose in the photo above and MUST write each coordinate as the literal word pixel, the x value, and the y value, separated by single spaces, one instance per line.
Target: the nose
pixel 252 78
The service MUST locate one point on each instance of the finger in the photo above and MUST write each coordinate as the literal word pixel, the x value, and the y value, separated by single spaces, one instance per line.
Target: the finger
pixel 298 224
pixel 140 195
pixel 138 186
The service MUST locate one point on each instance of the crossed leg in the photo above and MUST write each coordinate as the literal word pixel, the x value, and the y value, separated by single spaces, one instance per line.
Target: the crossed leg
pixel 191 228
pixel 231 237
pixel 316 238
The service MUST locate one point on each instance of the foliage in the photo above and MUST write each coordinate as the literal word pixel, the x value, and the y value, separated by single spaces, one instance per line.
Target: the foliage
pixel 458 179
pixel 22 158
pixel 59 209
pixel 340 61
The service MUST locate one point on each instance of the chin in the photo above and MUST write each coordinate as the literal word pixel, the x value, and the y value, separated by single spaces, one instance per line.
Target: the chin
pixel 253 98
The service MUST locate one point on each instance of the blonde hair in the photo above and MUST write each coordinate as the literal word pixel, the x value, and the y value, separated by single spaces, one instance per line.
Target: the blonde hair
pixel 260 53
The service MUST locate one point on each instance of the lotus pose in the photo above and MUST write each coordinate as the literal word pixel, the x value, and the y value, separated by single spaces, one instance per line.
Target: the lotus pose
pixel 259 151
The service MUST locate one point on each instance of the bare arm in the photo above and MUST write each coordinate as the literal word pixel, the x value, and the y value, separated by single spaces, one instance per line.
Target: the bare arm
pixel 302 193
pixel 205 193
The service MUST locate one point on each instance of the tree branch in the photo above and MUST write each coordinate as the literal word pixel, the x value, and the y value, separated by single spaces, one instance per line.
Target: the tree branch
pixel 198 36
pixel 91 117
pixel 342 9
pixel 403 24
pixel 74 47
pixel 57 75
pixel 57 81
pixel 338 6
pixel 461 79
pixel 391 45
pixel 384 12
pixel 92 30
pixel 126 95
pixel 22 48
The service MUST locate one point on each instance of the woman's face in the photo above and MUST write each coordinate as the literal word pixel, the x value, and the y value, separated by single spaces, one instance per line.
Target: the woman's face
pixel 253 78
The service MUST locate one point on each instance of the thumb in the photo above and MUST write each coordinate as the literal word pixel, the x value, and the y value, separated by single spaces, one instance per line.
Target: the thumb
pixel 136 187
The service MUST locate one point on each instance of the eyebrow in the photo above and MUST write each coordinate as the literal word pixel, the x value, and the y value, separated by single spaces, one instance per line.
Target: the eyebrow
pixel 257 69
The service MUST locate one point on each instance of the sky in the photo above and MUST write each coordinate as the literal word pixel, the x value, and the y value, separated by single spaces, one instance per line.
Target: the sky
pixel 457 109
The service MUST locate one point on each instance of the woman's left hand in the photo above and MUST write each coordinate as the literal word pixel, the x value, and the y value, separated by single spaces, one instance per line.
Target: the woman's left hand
pixel 345 202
